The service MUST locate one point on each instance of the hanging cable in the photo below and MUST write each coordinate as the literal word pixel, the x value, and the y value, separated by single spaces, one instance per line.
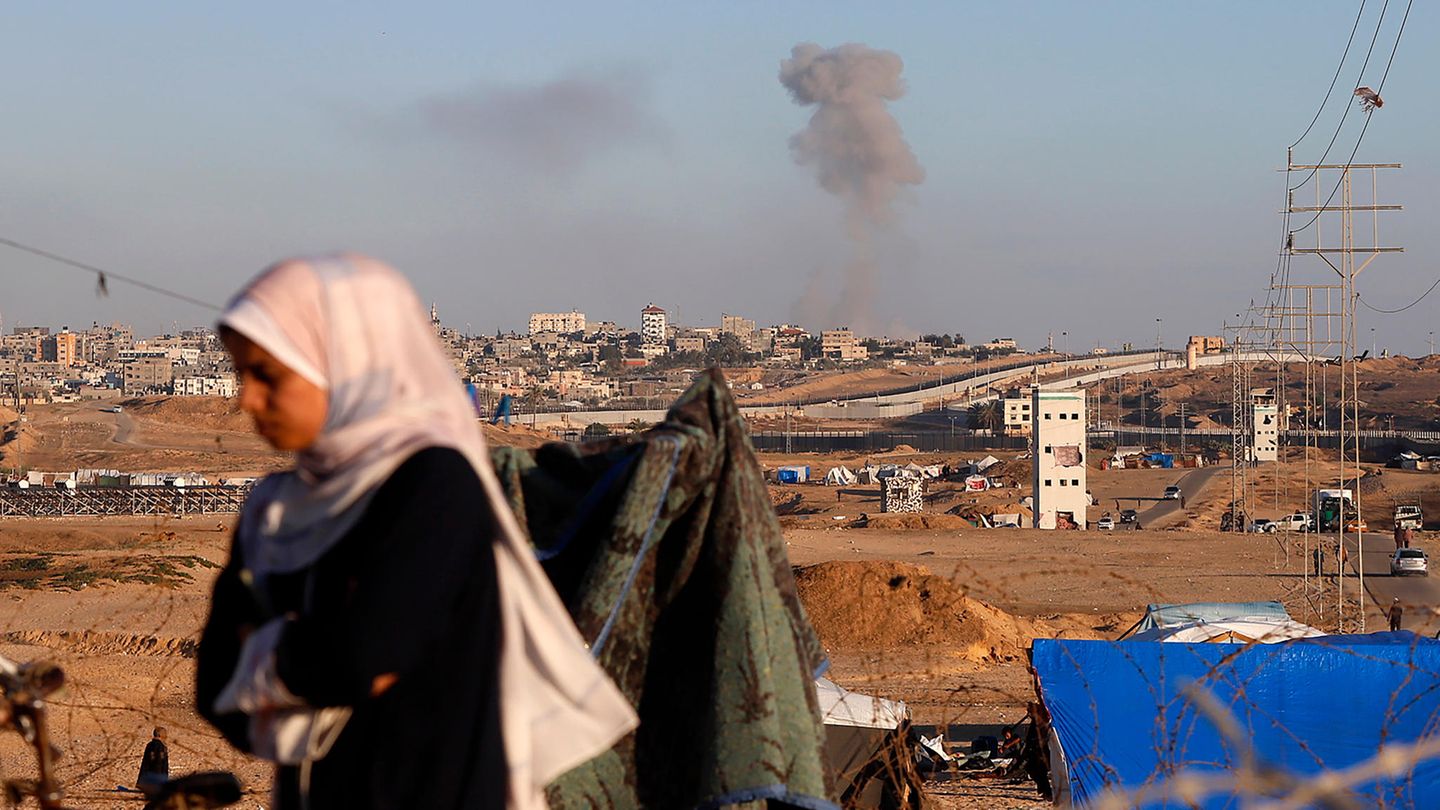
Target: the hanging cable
pixel 1383 77
pixel 102 275
pixel 1379 23
pixel 1401 309
pixel 1336 77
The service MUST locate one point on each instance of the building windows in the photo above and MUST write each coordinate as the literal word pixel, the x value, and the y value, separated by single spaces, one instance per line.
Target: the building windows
pixel 1048 449
pixel 1074 482
pixel 1047 482
pixel 1075 416
pixel 1062 416
pixel 1063 482
pixel 1047 416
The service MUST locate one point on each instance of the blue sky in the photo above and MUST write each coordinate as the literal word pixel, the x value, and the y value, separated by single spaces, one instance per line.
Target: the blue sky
pixel 1089 166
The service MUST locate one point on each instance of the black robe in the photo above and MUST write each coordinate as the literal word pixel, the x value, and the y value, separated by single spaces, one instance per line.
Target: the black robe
pixel 411 589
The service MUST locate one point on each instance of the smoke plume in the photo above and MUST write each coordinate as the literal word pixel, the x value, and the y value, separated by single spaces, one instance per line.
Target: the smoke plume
pixel 859 154
pixel 559 125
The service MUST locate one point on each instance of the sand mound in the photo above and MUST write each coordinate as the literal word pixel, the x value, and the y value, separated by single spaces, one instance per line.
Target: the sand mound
pixel 221 413
pixel 881 605
pixel 514 436
pixel 911 520
pixel 87 642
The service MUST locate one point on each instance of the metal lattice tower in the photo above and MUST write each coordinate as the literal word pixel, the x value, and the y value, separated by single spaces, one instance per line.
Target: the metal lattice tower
pixel 1347 260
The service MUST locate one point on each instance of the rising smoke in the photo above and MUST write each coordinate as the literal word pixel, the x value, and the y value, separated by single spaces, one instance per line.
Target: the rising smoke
pixel 859 154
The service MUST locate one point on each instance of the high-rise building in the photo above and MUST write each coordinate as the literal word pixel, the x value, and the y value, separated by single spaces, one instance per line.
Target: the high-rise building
pixel 841 344
pixel 1057 429
pixel 562 322
pixel 741 328
pixel 653 325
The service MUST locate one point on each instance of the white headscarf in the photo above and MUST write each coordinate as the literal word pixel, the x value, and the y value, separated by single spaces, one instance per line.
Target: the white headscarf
pixel 354 327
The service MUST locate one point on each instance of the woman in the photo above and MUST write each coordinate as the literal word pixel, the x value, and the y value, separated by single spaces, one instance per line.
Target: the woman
pixel 382 631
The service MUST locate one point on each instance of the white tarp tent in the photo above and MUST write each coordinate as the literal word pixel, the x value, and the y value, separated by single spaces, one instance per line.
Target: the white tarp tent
pixel 865 746
pixel 1231 631
pixel 841 707
pixel 984 464
pixel 839 477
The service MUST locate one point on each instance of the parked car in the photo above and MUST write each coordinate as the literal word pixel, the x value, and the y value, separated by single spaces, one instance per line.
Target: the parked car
pixel 1407 561
pixel 1297 522
pixel 1105 523
pixel 115 409
pixel 1129 515
pixel 1264 526
pixel 1357 525
pixel 1172 492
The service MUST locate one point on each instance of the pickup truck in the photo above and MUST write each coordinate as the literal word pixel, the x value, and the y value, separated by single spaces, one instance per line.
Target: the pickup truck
pixel 1409 517
pixel 1298 522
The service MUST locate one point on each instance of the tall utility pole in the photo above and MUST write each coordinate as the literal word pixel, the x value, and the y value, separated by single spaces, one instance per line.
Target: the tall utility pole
pixel 1347 260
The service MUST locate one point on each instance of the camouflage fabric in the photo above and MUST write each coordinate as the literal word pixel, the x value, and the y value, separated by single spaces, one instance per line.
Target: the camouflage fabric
pixel 668 554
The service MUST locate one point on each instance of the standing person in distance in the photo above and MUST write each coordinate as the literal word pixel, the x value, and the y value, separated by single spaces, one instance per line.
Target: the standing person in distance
pixel 382 631
pixel 154 764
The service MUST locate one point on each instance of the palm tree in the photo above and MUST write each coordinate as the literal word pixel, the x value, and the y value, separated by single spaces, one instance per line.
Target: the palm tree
pixel 988 415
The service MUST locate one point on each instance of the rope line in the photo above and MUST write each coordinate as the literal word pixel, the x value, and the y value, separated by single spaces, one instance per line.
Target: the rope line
pixel 102 275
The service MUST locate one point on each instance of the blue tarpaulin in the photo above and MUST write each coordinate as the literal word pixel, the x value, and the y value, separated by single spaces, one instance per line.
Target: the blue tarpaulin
pixel 1173 615
pixel 1124 717
pixel 798 474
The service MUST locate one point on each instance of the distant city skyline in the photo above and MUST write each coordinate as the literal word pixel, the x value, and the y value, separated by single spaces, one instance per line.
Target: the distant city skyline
pixel 1086 169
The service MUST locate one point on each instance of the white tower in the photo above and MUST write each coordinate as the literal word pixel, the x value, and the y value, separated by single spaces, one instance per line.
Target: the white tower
pixel 1058 435
pixel 1265 424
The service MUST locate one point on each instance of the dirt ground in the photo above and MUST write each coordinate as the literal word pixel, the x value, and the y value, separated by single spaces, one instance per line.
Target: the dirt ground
pixel 927 609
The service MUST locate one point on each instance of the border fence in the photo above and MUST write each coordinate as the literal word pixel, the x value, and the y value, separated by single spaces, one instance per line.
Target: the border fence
pixel 98 501
pixel 864 441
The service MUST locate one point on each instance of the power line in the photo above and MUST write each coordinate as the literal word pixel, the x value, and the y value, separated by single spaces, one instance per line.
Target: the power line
pixel 102 276
pixel 1383 77
pixel 1379 23
pixel 1336 77
pixel 1401 309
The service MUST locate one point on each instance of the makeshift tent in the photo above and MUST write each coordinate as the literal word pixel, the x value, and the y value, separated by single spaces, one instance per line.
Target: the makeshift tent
pixel 793 475
pixel 1230 631
pixel 869 474
pixel 865 745
pixel 1123 714
pixel 1175 615
pixel 984 464
pixel 839 477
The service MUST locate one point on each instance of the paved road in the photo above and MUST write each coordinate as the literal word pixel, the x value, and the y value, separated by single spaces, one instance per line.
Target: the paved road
pixel 1420 596
pixel 1190 485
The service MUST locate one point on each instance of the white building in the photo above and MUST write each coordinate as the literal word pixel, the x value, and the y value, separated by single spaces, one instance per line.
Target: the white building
pixel 653 325
pixel 1265 425
pixel 1057 429
pixel 563 322
pixel 1017 414
pixel 213 385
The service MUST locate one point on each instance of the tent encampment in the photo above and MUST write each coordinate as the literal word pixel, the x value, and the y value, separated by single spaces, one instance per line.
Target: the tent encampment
pixel 1124 715
pixel 864 743
pixel 839 477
